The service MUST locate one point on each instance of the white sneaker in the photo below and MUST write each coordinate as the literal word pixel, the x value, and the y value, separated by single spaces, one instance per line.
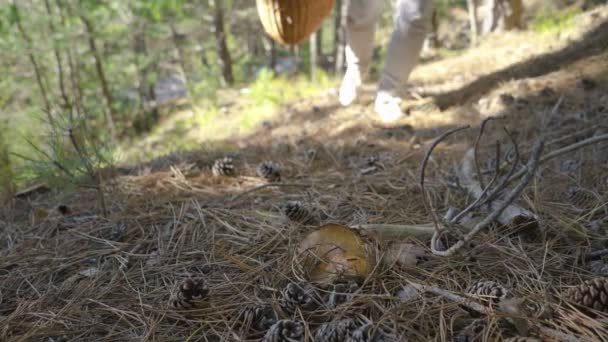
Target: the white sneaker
pixel 387 107
pixel 349 89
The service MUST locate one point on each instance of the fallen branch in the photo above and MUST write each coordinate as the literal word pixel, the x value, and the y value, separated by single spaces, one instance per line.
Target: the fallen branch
pixel 510 215
pixel 576 146
pixel 425 161
pixel 470 304
pixel 499 207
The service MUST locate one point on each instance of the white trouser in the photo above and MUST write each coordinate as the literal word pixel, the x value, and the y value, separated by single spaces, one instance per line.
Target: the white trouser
pixel 412 22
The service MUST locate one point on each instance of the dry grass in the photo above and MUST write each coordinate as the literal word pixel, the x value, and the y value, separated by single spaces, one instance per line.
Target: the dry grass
pixel 85 277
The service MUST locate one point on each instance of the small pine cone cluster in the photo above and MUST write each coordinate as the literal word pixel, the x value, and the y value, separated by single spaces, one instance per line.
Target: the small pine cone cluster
pixel 591 294
pixel 270 171
pixel 296 211
pixel 336 331
pixel 301 295
pixel 189 292
pixel 285 331
pixel 598 267
pixel 580 197
pixel 340 293
pixel 224 167
pixel 257 316
pixel 522 339
pixel 368 333
pixel 488 291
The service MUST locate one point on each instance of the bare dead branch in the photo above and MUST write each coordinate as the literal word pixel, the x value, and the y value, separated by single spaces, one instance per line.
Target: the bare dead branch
pixel 478 201
pixel 553 154
pixel 560 336
pixel 500 207
pixel 476 149
pixel 425 161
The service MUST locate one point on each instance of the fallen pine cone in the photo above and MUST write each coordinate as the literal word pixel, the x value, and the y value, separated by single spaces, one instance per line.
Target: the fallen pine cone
pixel 580 198
pixel 522 339
pixel 302 296
pixel 257 316
pixel 340 293
pixel 591 294
pixel 598 267
pixel 295 211
pixel 336 331
pixel 224 167
pixel 285 331
pixel 488 291
pixel 367 333
pixel 189 292
pixel 270 171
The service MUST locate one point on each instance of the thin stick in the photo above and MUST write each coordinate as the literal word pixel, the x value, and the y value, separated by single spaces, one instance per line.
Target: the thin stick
pixel 453 297
pixel 567 149
pixel 425 161
pixel 481 197
pixel 476 148
pixel 486 311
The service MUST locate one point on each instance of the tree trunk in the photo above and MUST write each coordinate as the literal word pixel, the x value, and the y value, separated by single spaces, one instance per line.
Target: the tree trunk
pixel 181 57
pixel 319 41
pixel 313 56
pixel 58 59
pixel 501 15
pixel 74 74
pixel 7 188
pixel 272 58
pixel 340 34
pixel 105 88
pixel 222 47
pixel 472 9
pixel 432 38
pixel 34 62
pixel 147 94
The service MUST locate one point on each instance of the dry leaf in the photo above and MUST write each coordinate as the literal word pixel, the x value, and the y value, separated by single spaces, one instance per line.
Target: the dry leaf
pixel 332 251
pixel 403 254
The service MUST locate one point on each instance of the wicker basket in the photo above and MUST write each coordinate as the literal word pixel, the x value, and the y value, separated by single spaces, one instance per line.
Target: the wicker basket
pixel 292 21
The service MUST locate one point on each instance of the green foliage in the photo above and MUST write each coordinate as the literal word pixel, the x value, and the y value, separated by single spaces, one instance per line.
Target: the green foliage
pixel 68 154
pixel 552 21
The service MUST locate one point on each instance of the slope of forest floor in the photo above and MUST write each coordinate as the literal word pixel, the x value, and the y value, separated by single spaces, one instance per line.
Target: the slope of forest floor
pixel 70 273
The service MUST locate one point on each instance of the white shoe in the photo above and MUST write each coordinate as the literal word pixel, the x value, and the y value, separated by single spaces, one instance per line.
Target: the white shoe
pixel 387 107
pixel 349 89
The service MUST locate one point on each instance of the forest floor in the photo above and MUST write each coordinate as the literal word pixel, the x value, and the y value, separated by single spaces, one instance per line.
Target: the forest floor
pixel 67 272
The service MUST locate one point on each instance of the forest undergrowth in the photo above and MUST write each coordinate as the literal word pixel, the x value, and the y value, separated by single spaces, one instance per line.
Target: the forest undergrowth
pixel 222 243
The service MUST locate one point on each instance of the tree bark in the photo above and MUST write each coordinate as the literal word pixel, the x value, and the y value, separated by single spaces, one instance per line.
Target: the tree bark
pixel 472 9
pixel 74 75
pixel 340 34
pixel 105 88
pixel 58 59
pixel 181 57
pixel 7 188
pixel 34 62
pixel 319 42
pixel 501 15
pixel 313 56
pixel 272 58
pixel 145 87
pixel 225 58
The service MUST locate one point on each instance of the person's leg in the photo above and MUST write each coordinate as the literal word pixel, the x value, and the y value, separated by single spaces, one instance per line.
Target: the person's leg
pixel 412 22
pixel 360 28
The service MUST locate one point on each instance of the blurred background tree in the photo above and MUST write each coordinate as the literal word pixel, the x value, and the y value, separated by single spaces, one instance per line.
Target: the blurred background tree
pixel 125 66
